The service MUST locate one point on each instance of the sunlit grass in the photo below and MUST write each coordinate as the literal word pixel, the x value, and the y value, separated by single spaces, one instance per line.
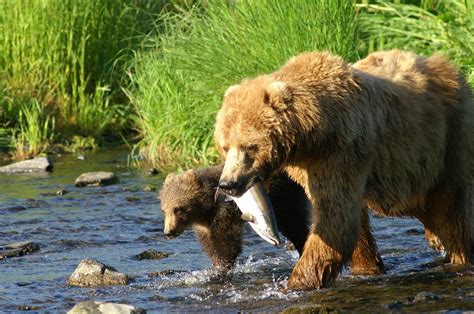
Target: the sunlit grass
pixel 433 26
pixel 35 132
pixel 69 56
pixel 178 85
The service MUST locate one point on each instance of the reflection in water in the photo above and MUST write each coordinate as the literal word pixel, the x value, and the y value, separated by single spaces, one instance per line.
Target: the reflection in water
pixel 102 223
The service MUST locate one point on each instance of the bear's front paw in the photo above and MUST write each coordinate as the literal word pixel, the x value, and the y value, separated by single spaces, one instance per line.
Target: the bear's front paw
pixel 306 277
pixel 317 268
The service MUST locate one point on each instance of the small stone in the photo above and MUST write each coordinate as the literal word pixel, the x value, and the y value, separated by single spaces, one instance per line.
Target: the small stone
pixel 425 296
pixel 13 209
pixel 132 199
pixel 62 192
pixel 81 157
pixel 28 308
pixel 414 231
pixel 92 273
pixel 95 307
pixel 151 171
pixel 395 305
pixel 149 188
pixel 18 249
pixel 97 178
pixel 290 246
pixel 151 254
pixel 38 164
pixel 166 272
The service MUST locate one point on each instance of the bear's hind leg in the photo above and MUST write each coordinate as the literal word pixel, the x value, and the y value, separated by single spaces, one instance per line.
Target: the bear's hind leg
pixel 366 259
pixel 448 219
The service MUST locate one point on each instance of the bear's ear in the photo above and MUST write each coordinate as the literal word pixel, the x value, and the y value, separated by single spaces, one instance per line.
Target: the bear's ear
pixel 190 175
pixel 192 178
pixel 278 95
pixel 230 90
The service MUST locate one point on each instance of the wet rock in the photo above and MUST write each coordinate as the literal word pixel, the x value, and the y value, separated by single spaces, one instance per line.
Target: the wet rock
pixel 94 307
pixel 414 231
pixel 81 157
pixel 151 171
pixel 13 209
pixel 132 199
pixel 151 254
pixel 149 188
pixel 18 249
pixel 28 308
pixel 91 273
pixel 39 164
pixel 290 246
pixel 167 272
pixel 425 296
pixel 62 192
pixel 57 193
pixel 96 178
pixel 395 305
pixel 309 309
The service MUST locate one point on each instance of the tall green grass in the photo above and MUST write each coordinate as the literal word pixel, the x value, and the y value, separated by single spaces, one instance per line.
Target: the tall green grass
pixel 177 86
pixel 35 132
pixel 431 26
pixel 67 56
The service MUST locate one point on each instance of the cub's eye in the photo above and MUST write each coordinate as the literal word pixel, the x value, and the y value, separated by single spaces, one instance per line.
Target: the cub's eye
pixel 225 148
pixel 179 210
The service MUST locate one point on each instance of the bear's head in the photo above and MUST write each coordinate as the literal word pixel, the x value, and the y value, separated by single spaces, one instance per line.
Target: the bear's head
pixel 249 132
pixel 180 200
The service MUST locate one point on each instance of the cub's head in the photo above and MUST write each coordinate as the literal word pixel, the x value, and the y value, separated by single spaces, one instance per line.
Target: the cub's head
pixel 180 198
pixel 249 132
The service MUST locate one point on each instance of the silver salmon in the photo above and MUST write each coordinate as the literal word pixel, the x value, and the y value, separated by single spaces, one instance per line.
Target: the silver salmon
pixel 257 210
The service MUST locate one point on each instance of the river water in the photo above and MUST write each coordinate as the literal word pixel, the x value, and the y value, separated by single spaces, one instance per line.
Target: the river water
pixel 113 223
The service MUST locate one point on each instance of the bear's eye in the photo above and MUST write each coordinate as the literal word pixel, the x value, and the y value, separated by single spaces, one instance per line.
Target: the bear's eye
pixel 179 210
pixel 251 148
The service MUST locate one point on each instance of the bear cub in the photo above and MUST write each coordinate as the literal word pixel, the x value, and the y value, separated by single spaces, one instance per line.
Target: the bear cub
pixel 190 200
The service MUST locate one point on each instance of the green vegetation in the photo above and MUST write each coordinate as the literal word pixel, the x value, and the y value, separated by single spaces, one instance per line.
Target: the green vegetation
pixel 426 28
pixel 78 71
pixel 35 133
pixel 177 87
pixel 64 59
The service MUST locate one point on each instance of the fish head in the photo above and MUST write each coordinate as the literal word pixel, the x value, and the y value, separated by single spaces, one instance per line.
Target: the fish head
pixel 266 233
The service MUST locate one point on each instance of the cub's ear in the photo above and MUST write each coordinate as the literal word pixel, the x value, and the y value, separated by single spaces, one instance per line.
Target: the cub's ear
pixel 278 95
pixel 192 178
pixel 190 175
pixel 230 90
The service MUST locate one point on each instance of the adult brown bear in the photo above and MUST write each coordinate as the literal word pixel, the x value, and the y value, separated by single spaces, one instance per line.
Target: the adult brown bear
pixel 393 132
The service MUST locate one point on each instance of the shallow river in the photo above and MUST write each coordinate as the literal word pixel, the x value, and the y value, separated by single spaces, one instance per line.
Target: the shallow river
pixel 112 224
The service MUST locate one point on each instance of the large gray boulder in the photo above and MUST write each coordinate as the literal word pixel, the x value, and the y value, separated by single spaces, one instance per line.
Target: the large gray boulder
pixel 96 178
pixel 38 164
pixel 91 307
pixel 92 273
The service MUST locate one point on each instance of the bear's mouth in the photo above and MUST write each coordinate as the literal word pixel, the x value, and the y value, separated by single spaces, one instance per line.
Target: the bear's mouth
pixel 239 187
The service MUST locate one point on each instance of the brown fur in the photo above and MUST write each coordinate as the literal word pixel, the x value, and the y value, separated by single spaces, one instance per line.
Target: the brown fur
pixel 392 132
pixel 188 199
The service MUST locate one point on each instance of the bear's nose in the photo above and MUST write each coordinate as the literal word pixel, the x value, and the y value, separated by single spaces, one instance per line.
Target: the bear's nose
pixel 228 186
